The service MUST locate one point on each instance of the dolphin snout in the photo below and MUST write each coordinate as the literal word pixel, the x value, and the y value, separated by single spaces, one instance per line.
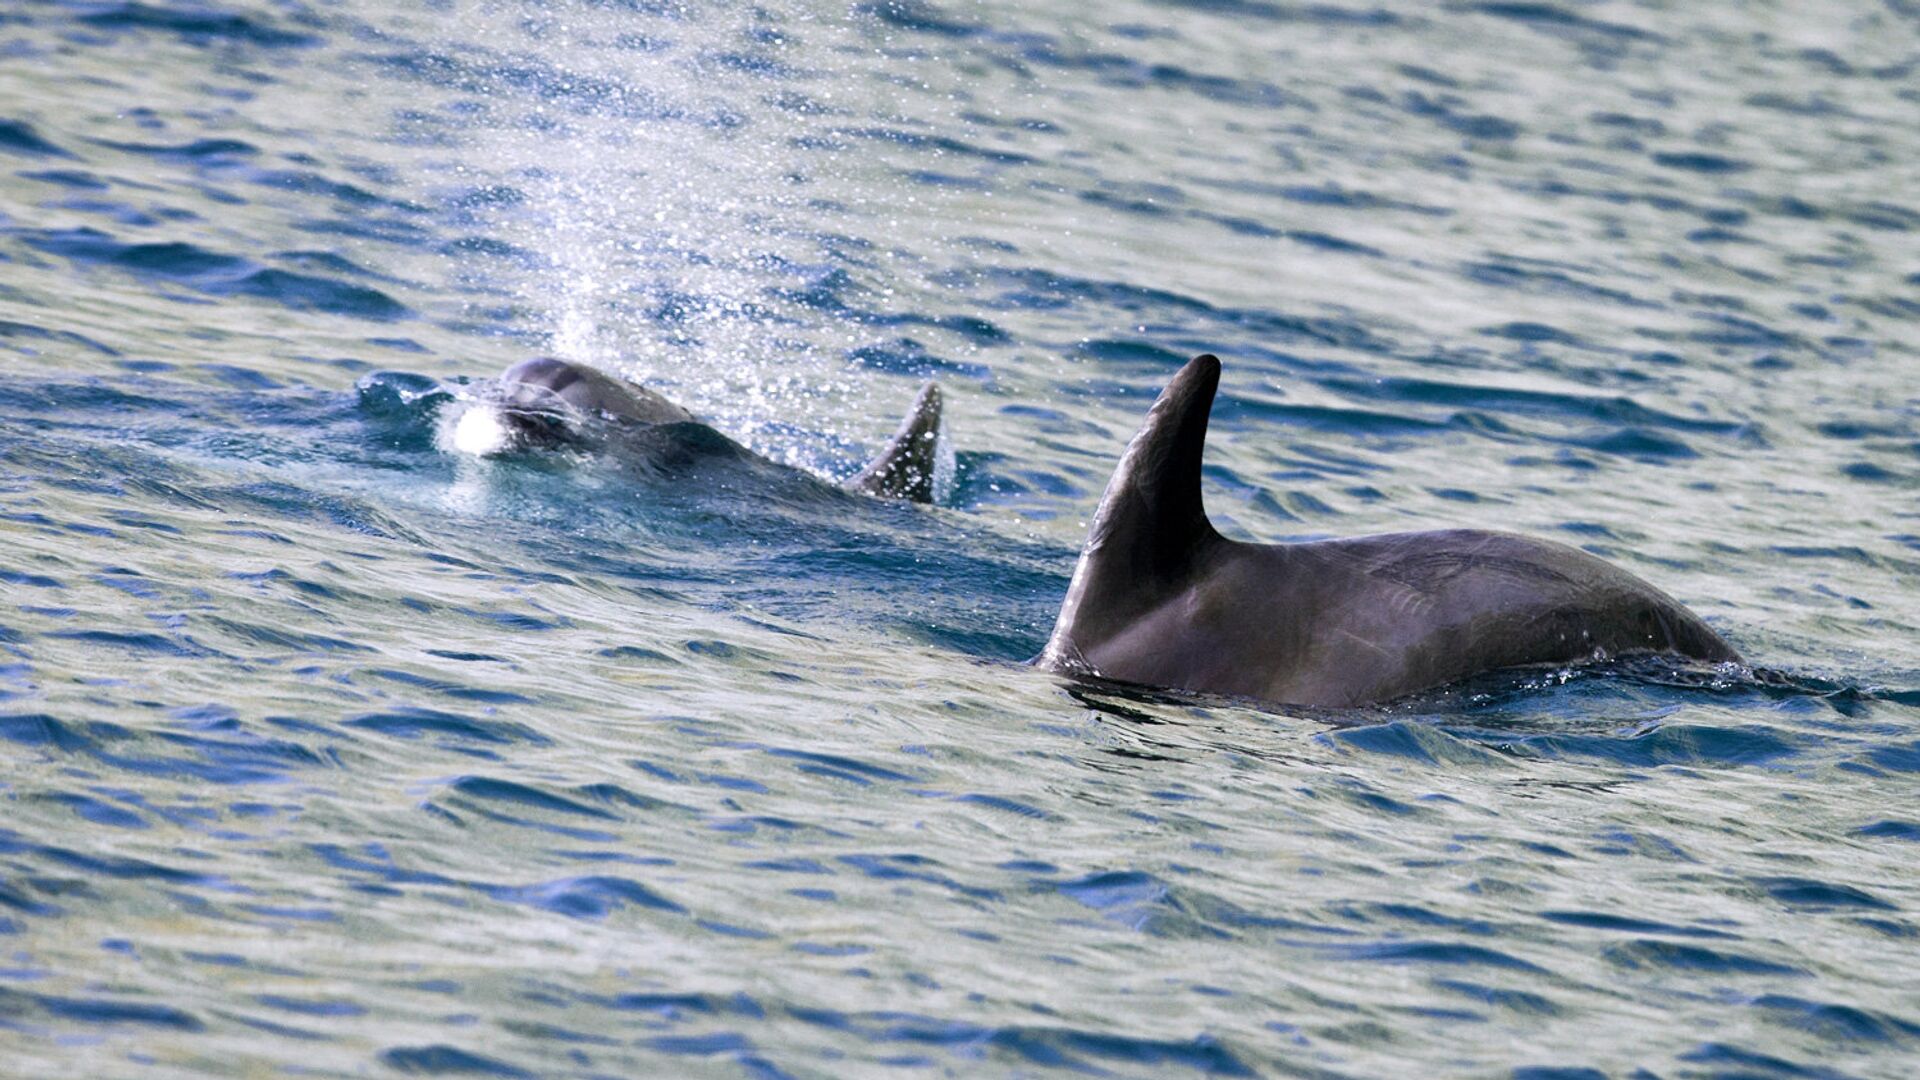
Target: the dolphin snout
pixel 513 418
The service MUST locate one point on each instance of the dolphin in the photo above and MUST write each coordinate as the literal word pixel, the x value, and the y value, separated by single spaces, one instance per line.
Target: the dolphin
pixel 1159 598
pixel 543 402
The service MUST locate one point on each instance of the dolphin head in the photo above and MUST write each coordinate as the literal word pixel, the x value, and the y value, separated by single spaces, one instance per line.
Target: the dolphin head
pixel 546 403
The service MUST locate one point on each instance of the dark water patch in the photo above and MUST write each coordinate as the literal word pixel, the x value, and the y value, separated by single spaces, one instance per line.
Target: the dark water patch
pixel 126 867
pixel 1891 830
pixel 372 858
pixel 42 729
pixel 919 16
pixel 1600 920
pixel 279 1031
pixel 1835 1022
pixel 1736 1063
pixel 1119 71
pixel 1328 242
pixel 199 151
pixel 1518 1001
pixel 493 77
pixel 77 179
pixel 909 867
pixel 1637 125
pixel 975 330
pixel 1320 196
pixel 840 767
pixel 637 653
pixel 1676 956
pixel 1419 742
pixel 938 144
pixel 240 378
pixel 1535 275
pixel 1325 14
pixel 1145 903
pixel 11 329
pixel 245 759
pixel 304 182
pixel 1126 896
pixel 1885 217
pixel 413 723
pixel 1638 443
pixel 905 356
pixel 1533 333
pixel 1442 953
pixel 219 274
pixel 199 24
pixel 678 1006
pixel 97 811
pixel 591 897
pixel 138 642
pixel 493 790
pixel 1808 894
pixel 1713 164
pixel 382 229
pixel 1503 399
pixel 19 137
pixel 298 641
pixel 107 1012
pixel 440 1059
pixel 16 898
pixel 1043 290
pixel 446 688
pixel 1145 356
pixel 1673 744
pixel 287 500
pixel 1005 805
pixel 1049 1047
pixel 1467 125
pixel 1552 18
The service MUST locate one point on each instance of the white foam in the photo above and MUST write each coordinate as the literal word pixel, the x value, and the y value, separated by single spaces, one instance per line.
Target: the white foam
pixel 481 431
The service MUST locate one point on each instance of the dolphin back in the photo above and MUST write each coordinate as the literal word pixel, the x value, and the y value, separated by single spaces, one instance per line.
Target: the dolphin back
pixel 1160 598
pixel 905 469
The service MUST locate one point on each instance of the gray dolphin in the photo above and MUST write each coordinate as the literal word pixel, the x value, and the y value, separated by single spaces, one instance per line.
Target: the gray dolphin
pixel 540 403
pixel 1161 599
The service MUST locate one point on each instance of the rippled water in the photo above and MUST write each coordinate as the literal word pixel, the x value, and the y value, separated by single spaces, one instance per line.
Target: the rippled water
pixel 327 752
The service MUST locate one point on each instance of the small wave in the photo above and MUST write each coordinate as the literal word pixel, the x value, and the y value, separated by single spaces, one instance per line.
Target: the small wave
pixel 220 274
pixel 197 23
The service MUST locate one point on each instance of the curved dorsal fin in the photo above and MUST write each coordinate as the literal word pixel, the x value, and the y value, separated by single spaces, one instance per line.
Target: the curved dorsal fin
pixel 1151 522
pixel 905 469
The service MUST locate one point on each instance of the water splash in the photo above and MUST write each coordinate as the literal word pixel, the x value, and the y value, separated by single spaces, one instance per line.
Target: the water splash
pixel 671 189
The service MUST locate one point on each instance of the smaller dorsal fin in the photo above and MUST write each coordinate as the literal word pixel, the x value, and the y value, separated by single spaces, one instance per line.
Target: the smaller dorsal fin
pixel 1150 525
pixel 906 468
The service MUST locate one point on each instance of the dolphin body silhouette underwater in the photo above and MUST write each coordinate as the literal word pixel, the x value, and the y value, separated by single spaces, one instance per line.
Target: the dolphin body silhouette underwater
pixel 546 402
pixel 1161 599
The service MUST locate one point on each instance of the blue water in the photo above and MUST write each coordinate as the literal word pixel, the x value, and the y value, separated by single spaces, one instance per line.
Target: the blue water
pixel 329 752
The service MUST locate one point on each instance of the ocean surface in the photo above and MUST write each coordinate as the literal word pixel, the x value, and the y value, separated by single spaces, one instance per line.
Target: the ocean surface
pixel 326 751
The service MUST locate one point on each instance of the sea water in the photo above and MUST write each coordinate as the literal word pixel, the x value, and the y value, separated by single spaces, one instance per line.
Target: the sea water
pixel 326 751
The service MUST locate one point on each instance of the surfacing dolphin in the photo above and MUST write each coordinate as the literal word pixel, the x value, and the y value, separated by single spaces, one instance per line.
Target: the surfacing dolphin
pixel 1161 599
pixel 543 402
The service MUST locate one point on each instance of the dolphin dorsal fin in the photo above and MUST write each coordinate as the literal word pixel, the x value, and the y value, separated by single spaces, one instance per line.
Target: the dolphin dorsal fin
pixel 1152 505
pixel 1151 524
pixel 906 468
